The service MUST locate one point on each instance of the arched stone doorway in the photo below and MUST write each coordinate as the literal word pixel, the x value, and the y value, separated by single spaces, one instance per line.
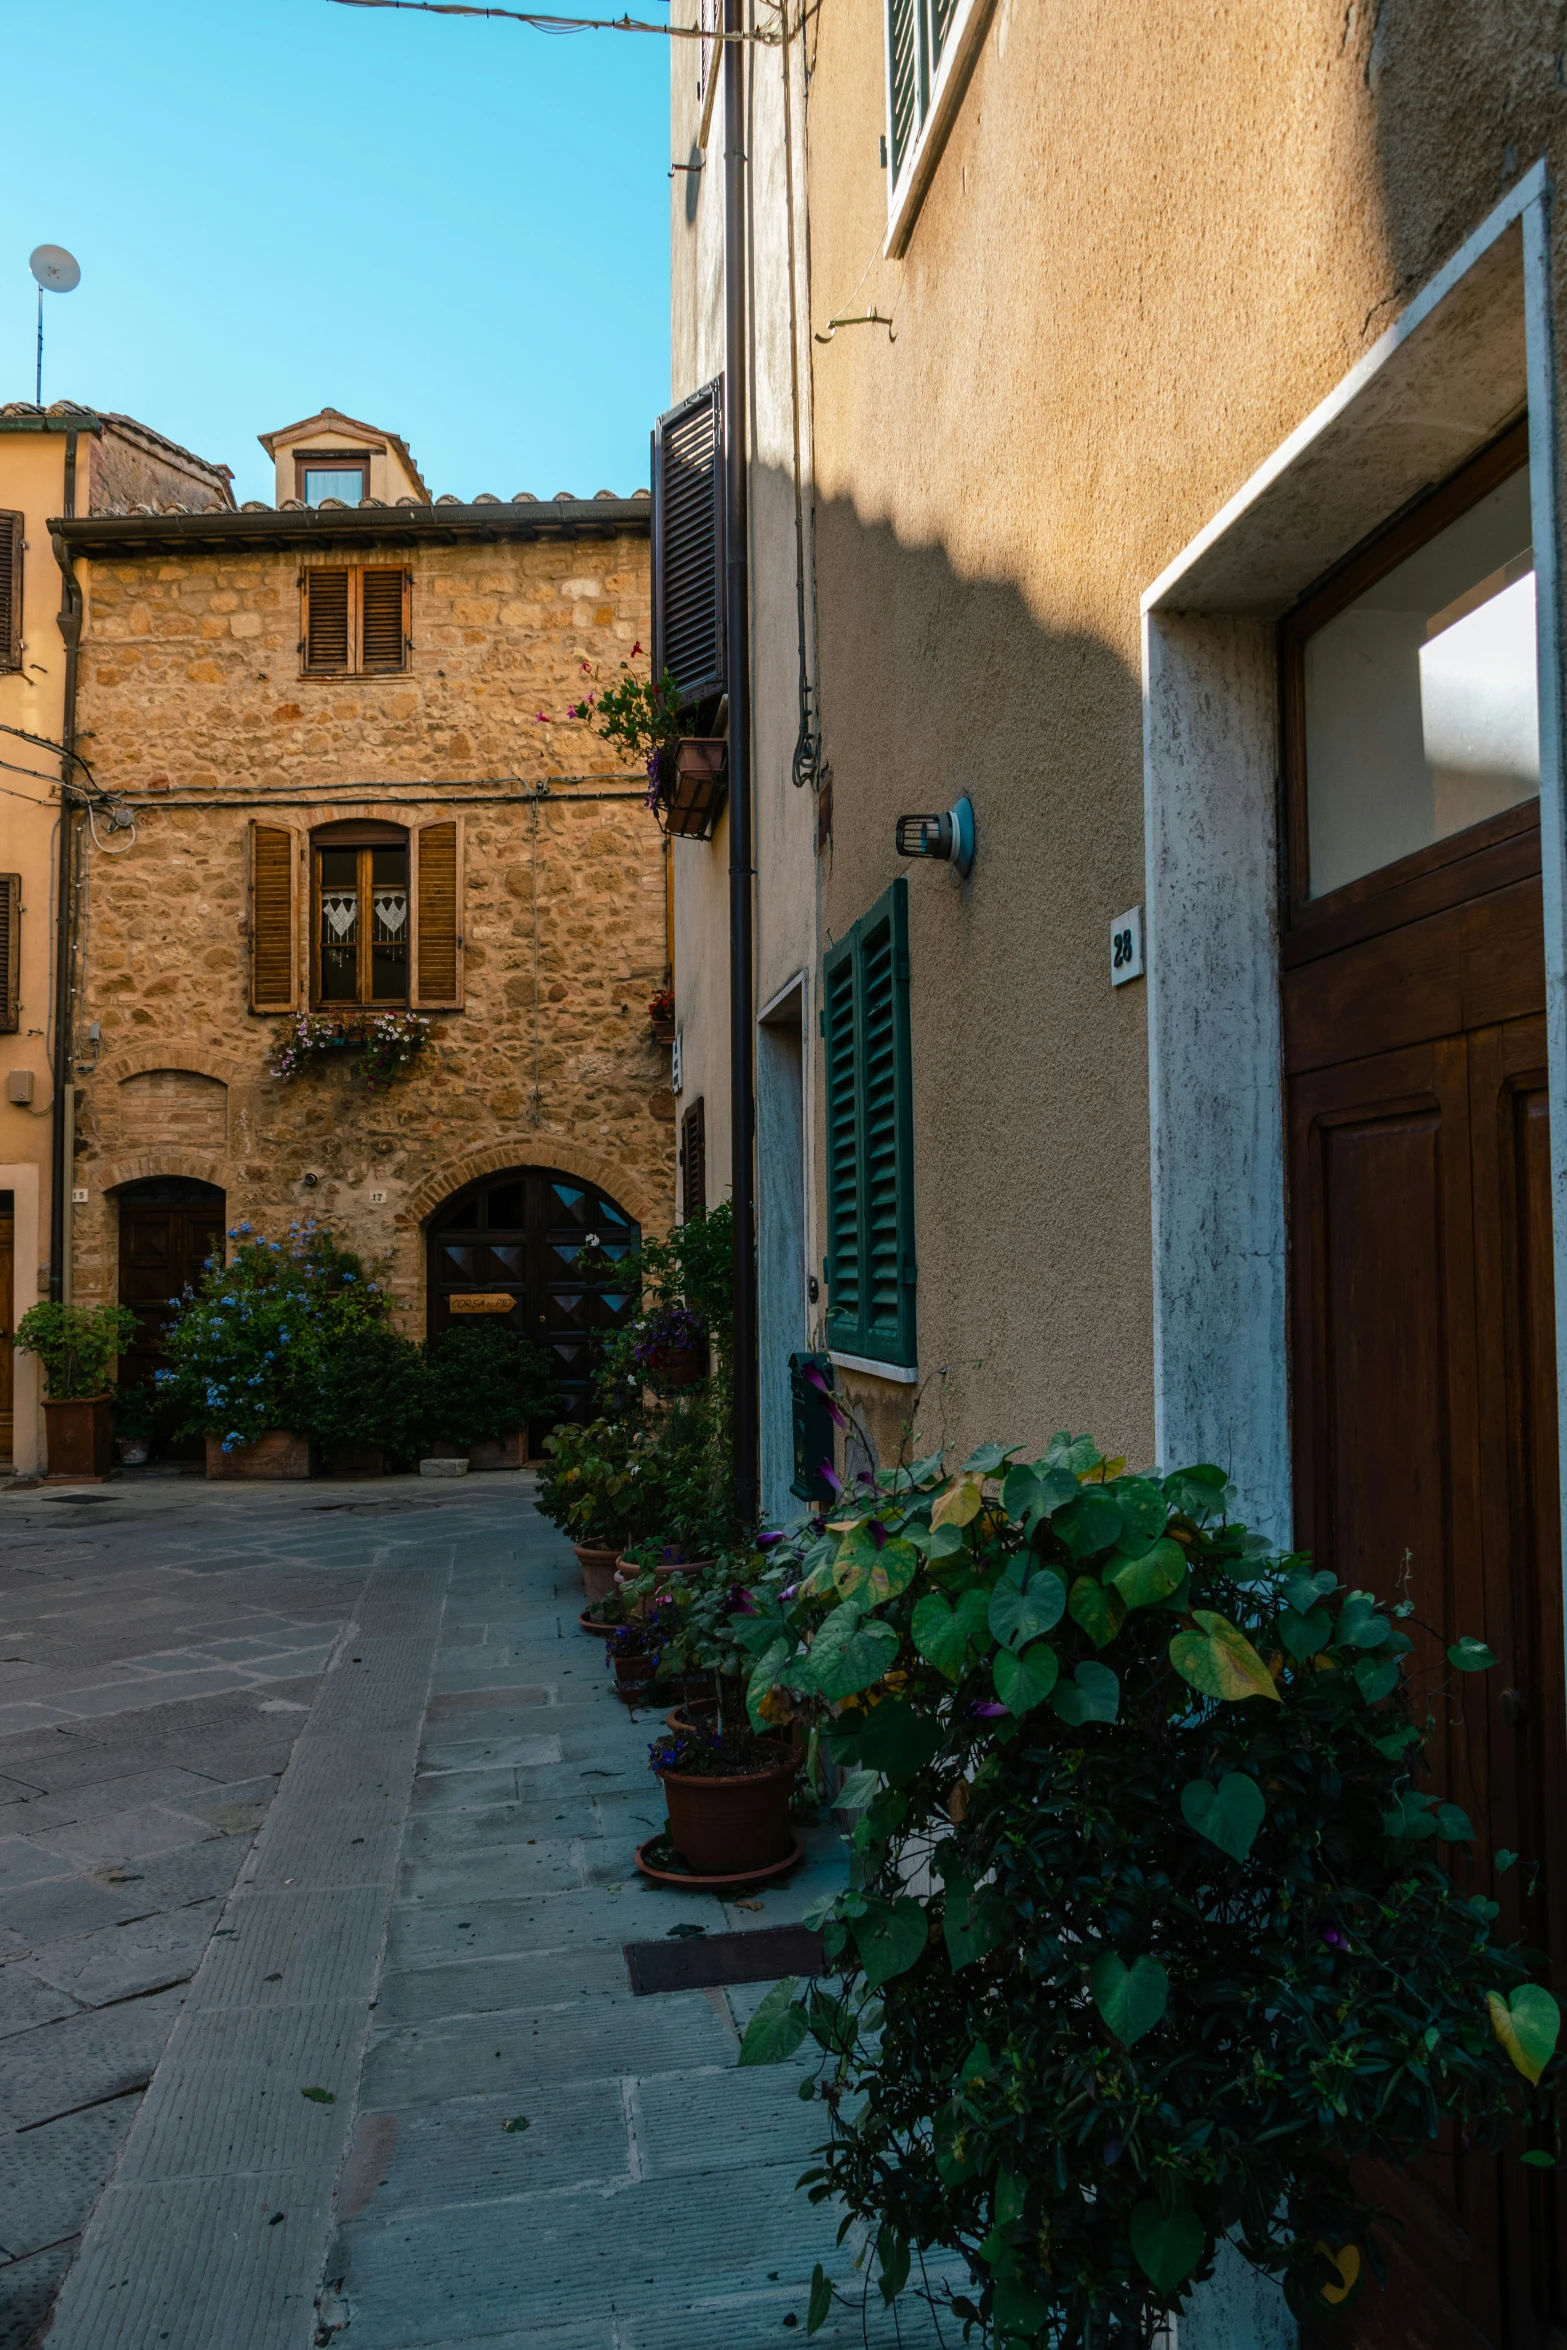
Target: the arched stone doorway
pixel 522 1234
pixel 169 1226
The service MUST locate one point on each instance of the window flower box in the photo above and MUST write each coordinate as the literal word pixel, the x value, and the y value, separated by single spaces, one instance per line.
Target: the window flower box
pixel 688 793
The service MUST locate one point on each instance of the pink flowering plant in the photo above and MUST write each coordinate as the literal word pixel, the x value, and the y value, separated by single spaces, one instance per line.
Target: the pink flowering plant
pixel 640 715
pixel 1155 1932
pixel 386 1042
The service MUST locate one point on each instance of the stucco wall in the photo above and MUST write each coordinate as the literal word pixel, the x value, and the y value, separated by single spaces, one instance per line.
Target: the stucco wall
pixel 192 697
pixel 1146 253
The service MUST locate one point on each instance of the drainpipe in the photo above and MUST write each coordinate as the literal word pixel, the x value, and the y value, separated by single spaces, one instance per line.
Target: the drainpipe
pixel 61 1139
pixel 742 985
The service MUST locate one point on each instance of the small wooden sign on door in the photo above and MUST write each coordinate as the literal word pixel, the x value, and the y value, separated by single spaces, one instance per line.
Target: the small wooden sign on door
pixel 485 1301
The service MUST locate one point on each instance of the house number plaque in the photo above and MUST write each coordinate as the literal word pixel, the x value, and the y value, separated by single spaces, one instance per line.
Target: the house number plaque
pixel 484 1301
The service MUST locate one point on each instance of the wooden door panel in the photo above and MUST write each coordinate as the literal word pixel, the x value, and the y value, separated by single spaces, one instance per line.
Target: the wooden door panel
pixel 7 1352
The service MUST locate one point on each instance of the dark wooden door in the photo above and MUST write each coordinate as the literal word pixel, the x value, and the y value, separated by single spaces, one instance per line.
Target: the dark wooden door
pixel 551 1246
pixel 7 1325
pixel 168 1229
pixel 1423 1348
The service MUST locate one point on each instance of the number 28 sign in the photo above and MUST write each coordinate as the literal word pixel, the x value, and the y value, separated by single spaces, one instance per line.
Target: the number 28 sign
pixel 1126 947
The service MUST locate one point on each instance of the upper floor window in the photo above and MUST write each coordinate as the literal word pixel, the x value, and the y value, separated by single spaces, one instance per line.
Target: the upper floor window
pixel 931 48
pixel 354 621
pixel 360 914
pixel 331 473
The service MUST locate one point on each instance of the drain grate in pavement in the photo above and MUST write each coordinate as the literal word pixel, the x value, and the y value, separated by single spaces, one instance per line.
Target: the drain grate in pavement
pixel 707 1960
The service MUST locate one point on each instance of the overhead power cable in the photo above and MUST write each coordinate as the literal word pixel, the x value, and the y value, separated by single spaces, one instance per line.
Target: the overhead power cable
pixel 563 24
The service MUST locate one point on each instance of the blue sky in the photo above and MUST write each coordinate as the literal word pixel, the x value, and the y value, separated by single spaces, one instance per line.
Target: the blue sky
pixel 452 228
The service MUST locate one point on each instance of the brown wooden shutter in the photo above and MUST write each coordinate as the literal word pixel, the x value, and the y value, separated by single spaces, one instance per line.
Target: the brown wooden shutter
pixel 274 861
pixel 688 544
pixel 437 899
pixel 693 1162
pixel 325 624
pixel 383 617
pixel 10 952
pixel 10 591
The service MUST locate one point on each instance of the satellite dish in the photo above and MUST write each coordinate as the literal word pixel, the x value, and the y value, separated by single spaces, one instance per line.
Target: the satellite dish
pixel 57 271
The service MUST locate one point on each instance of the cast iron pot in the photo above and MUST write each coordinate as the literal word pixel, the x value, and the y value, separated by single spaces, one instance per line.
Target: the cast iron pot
pixel 722 1827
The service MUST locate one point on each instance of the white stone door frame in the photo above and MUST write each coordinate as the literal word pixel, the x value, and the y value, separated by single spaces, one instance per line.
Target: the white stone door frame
pixel 1466 356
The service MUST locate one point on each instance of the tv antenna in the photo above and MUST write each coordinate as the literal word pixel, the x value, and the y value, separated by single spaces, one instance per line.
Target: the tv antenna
pixel 57 272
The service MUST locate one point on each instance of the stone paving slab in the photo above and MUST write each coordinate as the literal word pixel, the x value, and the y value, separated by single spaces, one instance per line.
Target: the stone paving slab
pixel 122 1962
pixel 50 2178
pixel 83 2059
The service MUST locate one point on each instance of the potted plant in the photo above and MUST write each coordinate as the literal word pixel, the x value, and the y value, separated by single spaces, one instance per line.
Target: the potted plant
pixel 671 1347
pixel 1151 1938
pixel 486 1385
pixel 134 1422
pixel 661 1015
pixel 728 1793
pixel 76 1346
pixel 633 1651
pixel 687 773
pixel 247 1347
pixel 599 1487
pixel 365 1404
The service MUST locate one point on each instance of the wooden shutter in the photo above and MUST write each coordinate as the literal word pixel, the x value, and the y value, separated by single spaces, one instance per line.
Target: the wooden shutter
pixel 324 628
pixel 10 952
pixel 274 921
pixel 383 619
pixel 437 914
pixel 693 1162
pixel 871 1271
pixel 10 591
pixel 688 545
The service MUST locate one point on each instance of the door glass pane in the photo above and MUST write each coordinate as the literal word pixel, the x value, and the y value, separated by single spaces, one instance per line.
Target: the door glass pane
pixel 1420 697
pixel 339 925
pixel 389 926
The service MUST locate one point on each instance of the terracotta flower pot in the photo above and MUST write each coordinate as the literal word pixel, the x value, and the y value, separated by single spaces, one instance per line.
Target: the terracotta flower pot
pixel 663 1027
pixel 633 1673
pixel 681 1366
pixel 79 1433
pixel 598 1571
pixel 278 1454
pixel 591 1624
pixel 722 1827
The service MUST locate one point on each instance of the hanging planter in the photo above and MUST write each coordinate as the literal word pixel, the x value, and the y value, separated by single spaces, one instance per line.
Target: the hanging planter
pixel 688 791
pixel 661 1015
pixel 384 1043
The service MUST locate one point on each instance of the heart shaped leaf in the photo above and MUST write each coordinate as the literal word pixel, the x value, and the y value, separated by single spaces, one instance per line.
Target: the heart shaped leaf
pixel 1229 1815
pixel 893 1570
pixel 971 1922
pixel 1091 1521
pixel 777 2028
pixel 1092 1695
pixel 1019 2312
pixel 943 1633
pixel 1470 1655
pixel 1220 1661
pixel 1142 1582
pixel 1100 1611
pixel 1022 1606
pixel 987 1459
pixel 889 1937
pixel 1168 2245
pixel 1376 1677
pixel 898 1739
pixel 1304 1634
pixel 1131 1999
pixel 847 1655
pixel 1527 2026
pixel 1022 1682
pixel 961 1502
pixel 1144 1511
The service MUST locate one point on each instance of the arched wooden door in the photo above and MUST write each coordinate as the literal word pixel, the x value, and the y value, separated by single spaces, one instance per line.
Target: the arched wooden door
pixel 169 1226
pixel 550 1245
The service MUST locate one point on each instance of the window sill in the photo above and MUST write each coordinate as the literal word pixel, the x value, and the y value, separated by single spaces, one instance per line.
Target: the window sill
pixel 952 79
pixel 901 1374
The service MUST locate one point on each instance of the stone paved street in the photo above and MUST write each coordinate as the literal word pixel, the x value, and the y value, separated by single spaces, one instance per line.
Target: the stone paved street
pixel 422 1920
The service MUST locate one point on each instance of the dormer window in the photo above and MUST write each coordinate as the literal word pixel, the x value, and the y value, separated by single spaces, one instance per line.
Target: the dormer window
pixel 331 473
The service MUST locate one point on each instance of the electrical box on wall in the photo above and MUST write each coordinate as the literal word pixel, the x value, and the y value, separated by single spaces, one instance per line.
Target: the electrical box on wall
pixel 19 1087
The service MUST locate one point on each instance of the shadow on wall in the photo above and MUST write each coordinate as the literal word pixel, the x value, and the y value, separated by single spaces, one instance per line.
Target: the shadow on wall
pixel 1030 1073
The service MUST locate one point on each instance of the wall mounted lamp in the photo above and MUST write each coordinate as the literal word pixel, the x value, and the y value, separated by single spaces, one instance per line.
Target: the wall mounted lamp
pixel 949 838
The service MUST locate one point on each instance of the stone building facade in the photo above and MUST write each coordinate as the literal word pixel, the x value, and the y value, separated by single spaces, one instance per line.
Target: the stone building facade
pixel 214 712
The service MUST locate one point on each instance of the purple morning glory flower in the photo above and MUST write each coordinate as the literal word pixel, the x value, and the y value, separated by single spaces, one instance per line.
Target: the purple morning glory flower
pixel 988 1712
pixel 740 1601
pixel 789 1591
pixel 766 1541
pixel 1335 1938
pixel 830 1476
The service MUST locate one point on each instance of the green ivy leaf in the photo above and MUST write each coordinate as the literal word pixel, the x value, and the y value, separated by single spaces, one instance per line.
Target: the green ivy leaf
pixel 1131 1999
pixel 1359 1624
pixel 889 1938
pixel 896 1565
pixel 859 1789
pixel 1092 1695
pixel 1090 1522
pixel 1220 1661
pixel 1143 1582
pixel 1229 1815
pixel 821 2300
pixel 1168 2245
pixel 1527 2025
pixel 1022 1606
pixel 1017 2310
pixel 1453 1825
pixel 942 1633
pixel 1304 1634
pixel 1022 1682
pixel 1376 1677
pixel 987 1459
pixel 1470 1656
pixel 897 1738
pixel 945 1542
pixel 777 2028
pixel 1304 1591
pixel 1197 1492
pixel 1023 1497
pixel 1100 1611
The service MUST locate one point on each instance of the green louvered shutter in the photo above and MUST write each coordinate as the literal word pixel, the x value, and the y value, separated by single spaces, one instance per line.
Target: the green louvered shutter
pixel 870 1148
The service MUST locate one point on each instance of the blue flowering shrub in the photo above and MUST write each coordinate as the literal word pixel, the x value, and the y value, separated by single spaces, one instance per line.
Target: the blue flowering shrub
pixel 247 1346
pixel 1156 1930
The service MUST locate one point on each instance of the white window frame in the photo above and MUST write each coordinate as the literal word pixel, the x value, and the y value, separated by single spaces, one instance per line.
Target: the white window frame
pixel 906 187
